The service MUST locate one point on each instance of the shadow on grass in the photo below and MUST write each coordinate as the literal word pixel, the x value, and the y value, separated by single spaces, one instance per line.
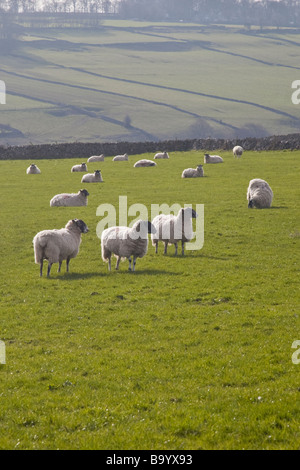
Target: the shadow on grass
pixel 74 276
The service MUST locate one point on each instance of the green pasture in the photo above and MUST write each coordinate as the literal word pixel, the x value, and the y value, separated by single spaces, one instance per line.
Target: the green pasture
pixel 190 352
pixel 171 80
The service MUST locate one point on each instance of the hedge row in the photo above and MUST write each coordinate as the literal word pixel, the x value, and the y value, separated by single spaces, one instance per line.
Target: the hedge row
pixel 82 150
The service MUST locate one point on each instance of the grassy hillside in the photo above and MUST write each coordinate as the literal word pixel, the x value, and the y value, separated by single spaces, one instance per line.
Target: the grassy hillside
pixel 189 352
pixel 130 81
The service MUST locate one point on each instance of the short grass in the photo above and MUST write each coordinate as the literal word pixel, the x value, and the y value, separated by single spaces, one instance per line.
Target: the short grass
pixel 189 352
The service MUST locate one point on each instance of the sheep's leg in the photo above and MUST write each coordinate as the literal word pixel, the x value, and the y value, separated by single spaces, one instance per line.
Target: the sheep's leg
pixel 59 266
pixel 156 246
pixel 182 243
pixel 67 264
pixel 49 269
pixel 166 248
pixel 129 259
pixel 176 247
pixel 134 261
pixel 118 262
pixel 41 267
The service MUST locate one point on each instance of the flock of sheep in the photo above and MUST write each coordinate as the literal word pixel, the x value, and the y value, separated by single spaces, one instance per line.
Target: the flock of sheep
pixel 124 242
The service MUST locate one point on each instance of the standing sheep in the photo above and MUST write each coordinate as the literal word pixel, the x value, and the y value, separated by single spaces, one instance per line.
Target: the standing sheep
pixel 212 158
pixel 92 177
pixel 171 229
pixel 161 155
pixel 125 242
pixel 237 151
pixel 33 170
pixel 120 158
pixel 259 194
pixel 58 245
pixel 70 200
pixel 81 167
pixel 193 172
pixel 144 163
pixel 96 158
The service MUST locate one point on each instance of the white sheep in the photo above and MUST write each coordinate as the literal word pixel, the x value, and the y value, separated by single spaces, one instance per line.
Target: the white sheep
pixel 212 158
pixel 33 170
pixel 193 172
pixel 161 155
pixel 237 151
pixel 96 158
pixel 70 199
pixel 92 177
pixel 120 158
pixel 125 242
pixel 81 167
pixel 144 163
pixel 171 229
pixel 58 245
pixel 259 194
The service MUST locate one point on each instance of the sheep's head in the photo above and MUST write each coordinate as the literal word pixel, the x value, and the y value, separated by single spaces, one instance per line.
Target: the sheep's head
pixel 81 225
pixel 189 212
pixel 250 204
pixel 84 192
pixel 97 172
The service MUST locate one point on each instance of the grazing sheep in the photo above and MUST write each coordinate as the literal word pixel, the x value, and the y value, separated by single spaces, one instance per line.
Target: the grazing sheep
pixel 58 245
pixel 259 194
pixel 81 167
pixel 70 200
pixel 121 158
pixel 212 158
pixel 144 163
pixel 161 155
pixel 33 170
pixel 125 242
pixel 171 229
pixel 92 177
pixel 96 158
pixel 193 172
pixel 237 151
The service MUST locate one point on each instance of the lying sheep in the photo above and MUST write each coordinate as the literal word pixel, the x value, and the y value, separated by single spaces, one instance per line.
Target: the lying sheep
pixel 237 151
pixel 259 194
pixel 58 245
pixel 144 163
pixel 121 158
pixel 70 200
pixel 81 167
pixel 161 155
pixel 33 170
pixel 171 229
pixel 212 158
pixel 92 177
pixel 96 158
pixel 125 242
pixel 193 172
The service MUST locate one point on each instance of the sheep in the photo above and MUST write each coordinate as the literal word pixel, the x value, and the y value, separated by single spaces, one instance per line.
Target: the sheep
pixel 171 229
pixel 70 200
pixel 259 194
pixel 92 177
pixel 144 163
pixel 96 158
pixel 125 242
pixel 212 158
pixel 237 151
pixel 120 158
pixel 33 170
pixel 58 245
pixel 161 155
pixel 193 172
pixel 81 167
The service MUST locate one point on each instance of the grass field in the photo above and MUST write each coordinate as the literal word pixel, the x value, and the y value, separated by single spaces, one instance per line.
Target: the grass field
pixel 189 352
pixel 170 80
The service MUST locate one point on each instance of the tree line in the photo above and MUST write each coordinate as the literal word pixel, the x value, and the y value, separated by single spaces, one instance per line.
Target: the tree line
pixel 245 12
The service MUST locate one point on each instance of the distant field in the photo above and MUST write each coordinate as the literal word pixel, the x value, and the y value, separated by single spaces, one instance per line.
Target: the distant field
pixel 131 81
pixel 189 352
